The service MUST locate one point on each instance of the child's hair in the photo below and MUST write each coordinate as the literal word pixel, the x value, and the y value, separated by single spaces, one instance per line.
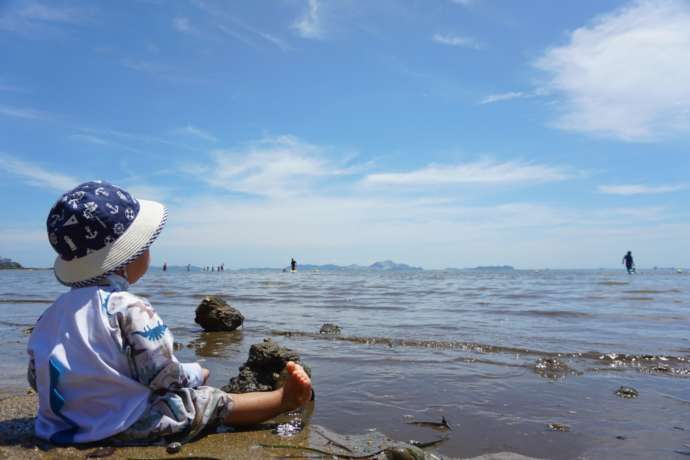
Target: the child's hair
pixel 97 229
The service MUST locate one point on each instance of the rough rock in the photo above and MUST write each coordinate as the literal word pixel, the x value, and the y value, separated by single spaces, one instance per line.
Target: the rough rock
pixel 214 314
pixel 330 329
pixel 261 371
pixel 627 392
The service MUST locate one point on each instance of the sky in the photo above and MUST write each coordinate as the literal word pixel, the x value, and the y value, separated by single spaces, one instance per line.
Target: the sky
pixel 439 133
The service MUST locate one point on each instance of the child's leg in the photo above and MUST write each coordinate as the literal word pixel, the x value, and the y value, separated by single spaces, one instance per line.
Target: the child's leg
pixel 251 408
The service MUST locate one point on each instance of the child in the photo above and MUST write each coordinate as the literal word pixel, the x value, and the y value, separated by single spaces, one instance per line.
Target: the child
pixel 101 359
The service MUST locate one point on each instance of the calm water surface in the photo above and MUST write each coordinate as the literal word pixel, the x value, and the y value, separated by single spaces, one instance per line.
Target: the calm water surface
pixel 464 345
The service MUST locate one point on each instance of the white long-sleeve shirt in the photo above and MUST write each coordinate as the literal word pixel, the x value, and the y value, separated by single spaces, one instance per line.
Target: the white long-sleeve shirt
pixel 96 355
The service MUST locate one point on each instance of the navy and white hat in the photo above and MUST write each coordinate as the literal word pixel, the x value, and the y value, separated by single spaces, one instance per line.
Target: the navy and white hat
pixel 98 228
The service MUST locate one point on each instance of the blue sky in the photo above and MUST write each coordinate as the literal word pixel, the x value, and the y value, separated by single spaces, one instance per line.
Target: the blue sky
pixel 441 133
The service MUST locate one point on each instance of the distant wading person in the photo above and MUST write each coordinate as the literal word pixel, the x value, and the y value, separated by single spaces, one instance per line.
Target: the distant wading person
pixel 629 263
pixel 102 360
pixel 293 265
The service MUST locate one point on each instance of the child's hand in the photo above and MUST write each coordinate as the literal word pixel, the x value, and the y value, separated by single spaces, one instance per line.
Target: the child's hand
pixel 205 373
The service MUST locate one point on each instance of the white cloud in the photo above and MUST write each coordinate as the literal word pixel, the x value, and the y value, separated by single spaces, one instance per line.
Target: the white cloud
pixel 309 25
pixel 40 20
pixel 490 99
pixel 480 172
pixel 639 189
pixel 89 139
pixel 456 40
pixel 626 74
pixel 36 175
pixel 278 166
pixel 182 25
pixel 201 134
pixel 22 112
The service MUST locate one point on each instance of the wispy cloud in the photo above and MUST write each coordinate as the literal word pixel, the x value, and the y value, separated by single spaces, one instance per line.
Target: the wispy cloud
pixel 500 97
pixel 457 40
pixel 625 74
pixel 199 133
pixel 480 172
pixel 89 139
pixel 639 189
pixel 309 25
pixel 39 20
pixel 145 66
pixel 23 112
pixel 36 175
pixel 274 167
pixel 464 3
pixel 182 24
pixel 240 30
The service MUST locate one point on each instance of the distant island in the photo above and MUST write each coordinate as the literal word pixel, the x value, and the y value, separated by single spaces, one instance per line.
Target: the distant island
pixel 485 268
pixel 381 266
pixel 9 264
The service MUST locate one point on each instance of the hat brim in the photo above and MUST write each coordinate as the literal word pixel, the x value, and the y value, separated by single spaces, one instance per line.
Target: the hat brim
pixel 138 237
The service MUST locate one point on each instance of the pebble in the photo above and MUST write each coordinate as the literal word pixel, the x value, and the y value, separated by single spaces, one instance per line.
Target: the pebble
pixel 627 392
pixel 173 448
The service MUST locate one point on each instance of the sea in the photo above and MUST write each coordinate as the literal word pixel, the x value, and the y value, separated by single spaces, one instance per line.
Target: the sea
pixel 526 361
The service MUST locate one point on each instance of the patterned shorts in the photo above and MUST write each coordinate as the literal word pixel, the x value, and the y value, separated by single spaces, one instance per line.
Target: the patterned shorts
pixel 178 415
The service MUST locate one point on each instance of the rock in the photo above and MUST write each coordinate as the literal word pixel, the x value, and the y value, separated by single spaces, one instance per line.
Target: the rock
pixel 627 392
pixel 552 368
pixel 214 314
pixel 173 448
pixel 330 328
pixel 559 427
pixel 101 452
pixel 261 371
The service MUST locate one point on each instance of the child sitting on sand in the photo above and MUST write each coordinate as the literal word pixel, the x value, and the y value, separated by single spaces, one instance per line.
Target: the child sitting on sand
pixel 101 359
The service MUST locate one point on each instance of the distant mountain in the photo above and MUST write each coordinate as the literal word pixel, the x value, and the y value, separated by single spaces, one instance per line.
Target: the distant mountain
pixel 486 268
pixel 386 265
pixel 6 264
pixel 389 265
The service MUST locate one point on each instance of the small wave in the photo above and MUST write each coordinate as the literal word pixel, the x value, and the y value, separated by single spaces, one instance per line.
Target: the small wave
pixel 639 298
pixel 612 283
pixel 546 313
pixel 648 291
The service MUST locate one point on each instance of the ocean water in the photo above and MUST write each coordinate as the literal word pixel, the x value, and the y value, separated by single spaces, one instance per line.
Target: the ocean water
pixel 501 355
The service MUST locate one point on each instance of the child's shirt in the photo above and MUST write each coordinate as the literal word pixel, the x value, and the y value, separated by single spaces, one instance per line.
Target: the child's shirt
pixel 96 356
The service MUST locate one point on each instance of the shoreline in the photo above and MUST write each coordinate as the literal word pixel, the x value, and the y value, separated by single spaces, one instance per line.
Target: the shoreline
pixel 17 441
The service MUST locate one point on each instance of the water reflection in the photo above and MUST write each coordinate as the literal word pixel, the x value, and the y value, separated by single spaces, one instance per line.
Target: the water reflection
pixel 221 344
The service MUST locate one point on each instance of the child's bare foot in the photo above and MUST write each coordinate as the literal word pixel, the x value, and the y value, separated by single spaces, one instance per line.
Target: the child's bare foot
pixel 297 388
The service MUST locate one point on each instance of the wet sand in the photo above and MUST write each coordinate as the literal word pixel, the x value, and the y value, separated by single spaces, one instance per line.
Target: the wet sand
pixel 17 441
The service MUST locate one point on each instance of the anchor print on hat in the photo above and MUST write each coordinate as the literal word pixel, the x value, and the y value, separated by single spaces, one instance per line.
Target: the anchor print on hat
pixel 88 218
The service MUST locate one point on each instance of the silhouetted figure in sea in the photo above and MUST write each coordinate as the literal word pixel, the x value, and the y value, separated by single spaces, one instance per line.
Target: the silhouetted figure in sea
pixel 293 265
pixel 189 267
pixel 165 266
pixel 629 262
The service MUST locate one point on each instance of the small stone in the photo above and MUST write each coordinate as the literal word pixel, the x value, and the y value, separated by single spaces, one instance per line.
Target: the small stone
pixel 622 438
pixel 173 448
pixel 627 392
pixel 330 329
pixel 101 452
pixel 559 427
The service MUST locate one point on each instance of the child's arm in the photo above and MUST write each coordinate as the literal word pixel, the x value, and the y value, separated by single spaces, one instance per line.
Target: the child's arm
pixel 149 346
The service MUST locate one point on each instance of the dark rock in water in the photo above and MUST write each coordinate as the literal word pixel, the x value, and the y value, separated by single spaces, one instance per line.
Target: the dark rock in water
pixel 173 448
pixel 552 368
pixel 330 328
pixel 404 453
pixel 214 314
pixel 559 427
pixel 627 392
pixel 261 371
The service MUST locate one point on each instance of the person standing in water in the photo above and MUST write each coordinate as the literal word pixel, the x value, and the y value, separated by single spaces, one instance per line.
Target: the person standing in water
pixel 293 265
pixel 629 263
pixel 165 266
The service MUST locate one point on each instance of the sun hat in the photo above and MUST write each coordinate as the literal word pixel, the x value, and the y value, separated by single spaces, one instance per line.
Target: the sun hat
pixel 98 228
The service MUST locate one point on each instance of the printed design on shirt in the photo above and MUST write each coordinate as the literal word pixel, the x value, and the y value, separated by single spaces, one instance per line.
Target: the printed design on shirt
pixel 153 333
pixel 144 308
